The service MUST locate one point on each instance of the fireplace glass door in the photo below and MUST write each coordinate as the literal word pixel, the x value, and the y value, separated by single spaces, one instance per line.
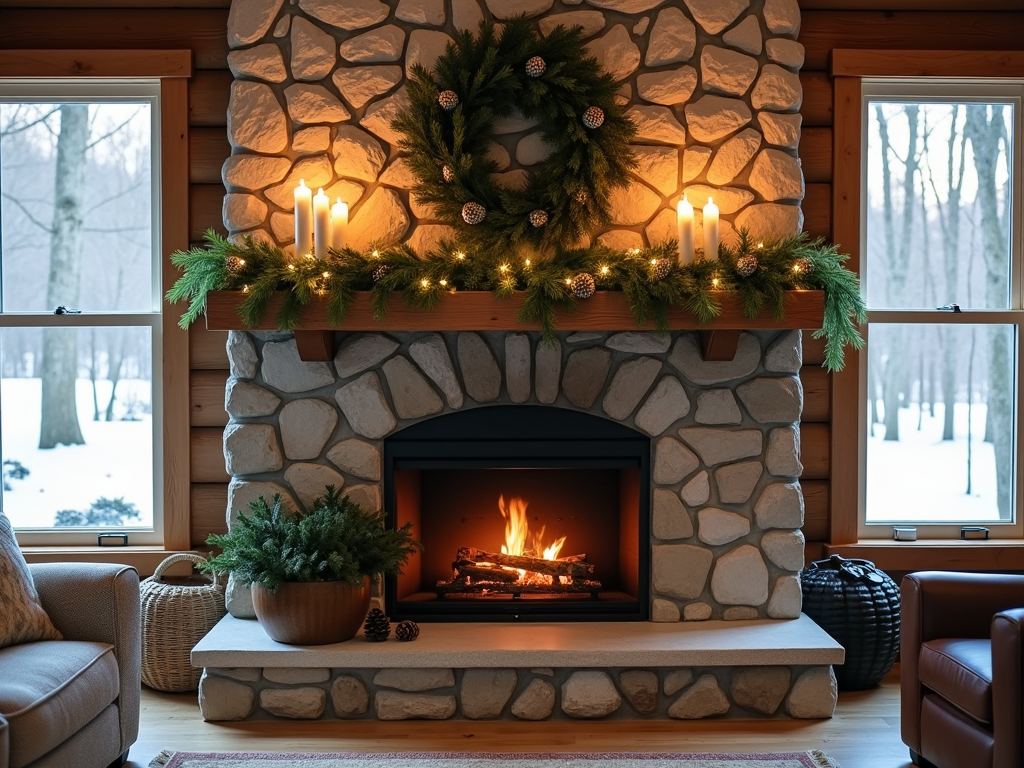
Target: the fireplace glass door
pixel 524 513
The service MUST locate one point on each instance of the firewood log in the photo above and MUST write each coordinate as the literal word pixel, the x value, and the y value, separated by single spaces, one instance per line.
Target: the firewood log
pixel 535 564
pixel 487 573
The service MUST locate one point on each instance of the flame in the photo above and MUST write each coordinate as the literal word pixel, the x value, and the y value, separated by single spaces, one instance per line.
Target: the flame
pixel 517 533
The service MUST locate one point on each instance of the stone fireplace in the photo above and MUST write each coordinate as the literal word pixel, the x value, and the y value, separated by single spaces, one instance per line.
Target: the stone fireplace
pixel 691 517
pixel 718 443
pixel 712 86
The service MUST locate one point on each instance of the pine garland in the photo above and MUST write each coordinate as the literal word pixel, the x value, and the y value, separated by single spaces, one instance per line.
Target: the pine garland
pixel 488 73
pixel 784 264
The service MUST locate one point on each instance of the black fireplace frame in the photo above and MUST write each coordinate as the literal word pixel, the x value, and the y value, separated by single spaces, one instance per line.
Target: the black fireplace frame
pixel 504 436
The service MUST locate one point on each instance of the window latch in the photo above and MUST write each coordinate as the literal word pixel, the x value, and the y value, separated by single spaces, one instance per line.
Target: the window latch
pixel 62 310
pixel 949 308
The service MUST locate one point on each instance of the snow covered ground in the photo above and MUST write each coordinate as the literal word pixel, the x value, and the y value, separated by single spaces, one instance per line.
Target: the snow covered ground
pixel 116 460
pixel 922 478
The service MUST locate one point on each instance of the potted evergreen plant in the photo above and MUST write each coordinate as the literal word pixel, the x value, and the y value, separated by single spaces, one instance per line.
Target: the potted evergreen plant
pixel 310 571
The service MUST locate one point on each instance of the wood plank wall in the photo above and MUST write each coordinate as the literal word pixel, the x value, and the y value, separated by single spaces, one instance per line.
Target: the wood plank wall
pixel 882 24
pixel 827 24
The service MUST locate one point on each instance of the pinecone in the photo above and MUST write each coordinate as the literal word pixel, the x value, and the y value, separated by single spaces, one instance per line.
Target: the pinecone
pixel 746 265
pixel 583 285
pixel 407 631
pixel 377 626
pixel 473 213
pixel 536 67
pixel 803 266
pixel 582 196
pixel 447 173
pixel 234 264
pixel 448 100
pixel 379 272
pixel 593 117
pixel 538 218
pixel 661 268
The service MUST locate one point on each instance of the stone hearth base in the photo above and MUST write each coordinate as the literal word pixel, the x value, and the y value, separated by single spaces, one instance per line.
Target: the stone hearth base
pixel 622 670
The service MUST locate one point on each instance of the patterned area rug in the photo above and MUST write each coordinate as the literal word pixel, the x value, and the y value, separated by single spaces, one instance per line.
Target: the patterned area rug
pixel 813 759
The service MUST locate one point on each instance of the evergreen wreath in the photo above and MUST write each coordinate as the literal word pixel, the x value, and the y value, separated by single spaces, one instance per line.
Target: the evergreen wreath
pixel 449 125
pixel 650 278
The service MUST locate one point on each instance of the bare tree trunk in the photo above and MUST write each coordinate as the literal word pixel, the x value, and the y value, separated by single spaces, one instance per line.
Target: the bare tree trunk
pixel 899 261
pixel 970 409
pixel 875 384
pixel 933 384
pixel 922 394
pixel 116 353
pixel 986 132
pixel 949 221
pixel 93 373
pixel 59 418
pixel 890 382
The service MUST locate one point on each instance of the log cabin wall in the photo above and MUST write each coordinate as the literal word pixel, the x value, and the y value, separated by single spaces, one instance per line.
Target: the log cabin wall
pixel 200 25
pixel 939 25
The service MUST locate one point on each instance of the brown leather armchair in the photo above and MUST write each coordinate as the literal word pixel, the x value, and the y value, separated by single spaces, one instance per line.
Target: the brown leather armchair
pixel 961 681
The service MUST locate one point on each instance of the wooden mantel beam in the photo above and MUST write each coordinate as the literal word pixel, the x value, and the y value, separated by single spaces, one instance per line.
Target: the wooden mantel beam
pixel 482 311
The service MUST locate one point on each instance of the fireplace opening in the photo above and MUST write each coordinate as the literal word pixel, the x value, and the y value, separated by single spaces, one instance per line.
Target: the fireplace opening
pixel 524 512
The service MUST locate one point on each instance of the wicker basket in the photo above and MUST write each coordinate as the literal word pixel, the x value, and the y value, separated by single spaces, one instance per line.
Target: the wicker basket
pixel 859 606
pixel 176 614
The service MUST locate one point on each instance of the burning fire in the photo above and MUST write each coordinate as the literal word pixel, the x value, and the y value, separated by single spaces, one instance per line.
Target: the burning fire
pixel 517 533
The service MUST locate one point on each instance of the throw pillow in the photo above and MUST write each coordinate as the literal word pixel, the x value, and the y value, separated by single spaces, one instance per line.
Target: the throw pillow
pixel 22 618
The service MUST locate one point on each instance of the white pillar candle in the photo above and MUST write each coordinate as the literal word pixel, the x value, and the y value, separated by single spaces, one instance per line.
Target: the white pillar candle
pixel 710 230
pixel 339 225
pixel 684 220
pixel 321 224
pixel 303 219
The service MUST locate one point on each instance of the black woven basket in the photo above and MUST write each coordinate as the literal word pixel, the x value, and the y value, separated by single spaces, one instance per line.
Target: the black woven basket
pixel 859 606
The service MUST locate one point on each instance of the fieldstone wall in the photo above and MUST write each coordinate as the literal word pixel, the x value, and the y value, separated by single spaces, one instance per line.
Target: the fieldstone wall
pixel 521 694
pixel 712 86
pixel 726 503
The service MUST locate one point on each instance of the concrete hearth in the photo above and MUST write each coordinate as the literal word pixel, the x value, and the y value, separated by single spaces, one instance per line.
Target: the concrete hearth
pixel 623 670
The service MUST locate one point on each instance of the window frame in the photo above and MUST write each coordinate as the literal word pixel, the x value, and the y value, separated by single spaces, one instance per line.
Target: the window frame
pixel 943 90
pixel 849 70
pixel 171 70
pixel 107 91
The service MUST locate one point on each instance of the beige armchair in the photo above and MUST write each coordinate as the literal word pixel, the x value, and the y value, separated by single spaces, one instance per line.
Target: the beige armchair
pixel 75 702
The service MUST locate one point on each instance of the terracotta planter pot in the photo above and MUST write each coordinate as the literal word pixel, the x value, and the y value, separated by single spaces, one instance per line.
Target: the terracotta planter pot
pixel 314 613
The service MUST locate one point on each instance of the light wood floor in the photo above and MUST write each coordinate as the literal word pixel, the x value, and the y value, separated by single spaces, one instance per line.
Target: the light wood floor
pixel 864 733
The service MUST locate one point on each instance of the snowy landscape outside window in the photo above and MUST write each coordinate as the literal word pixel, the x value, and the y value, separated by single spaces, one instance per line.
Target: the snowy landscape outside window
pixel 941 274
pixel 80 408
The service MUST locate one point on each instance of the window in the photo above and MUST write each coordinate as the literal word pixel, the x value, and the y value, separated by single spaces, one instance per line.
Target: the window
pixel 129 366
pixel 80 418
pixel 940 264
